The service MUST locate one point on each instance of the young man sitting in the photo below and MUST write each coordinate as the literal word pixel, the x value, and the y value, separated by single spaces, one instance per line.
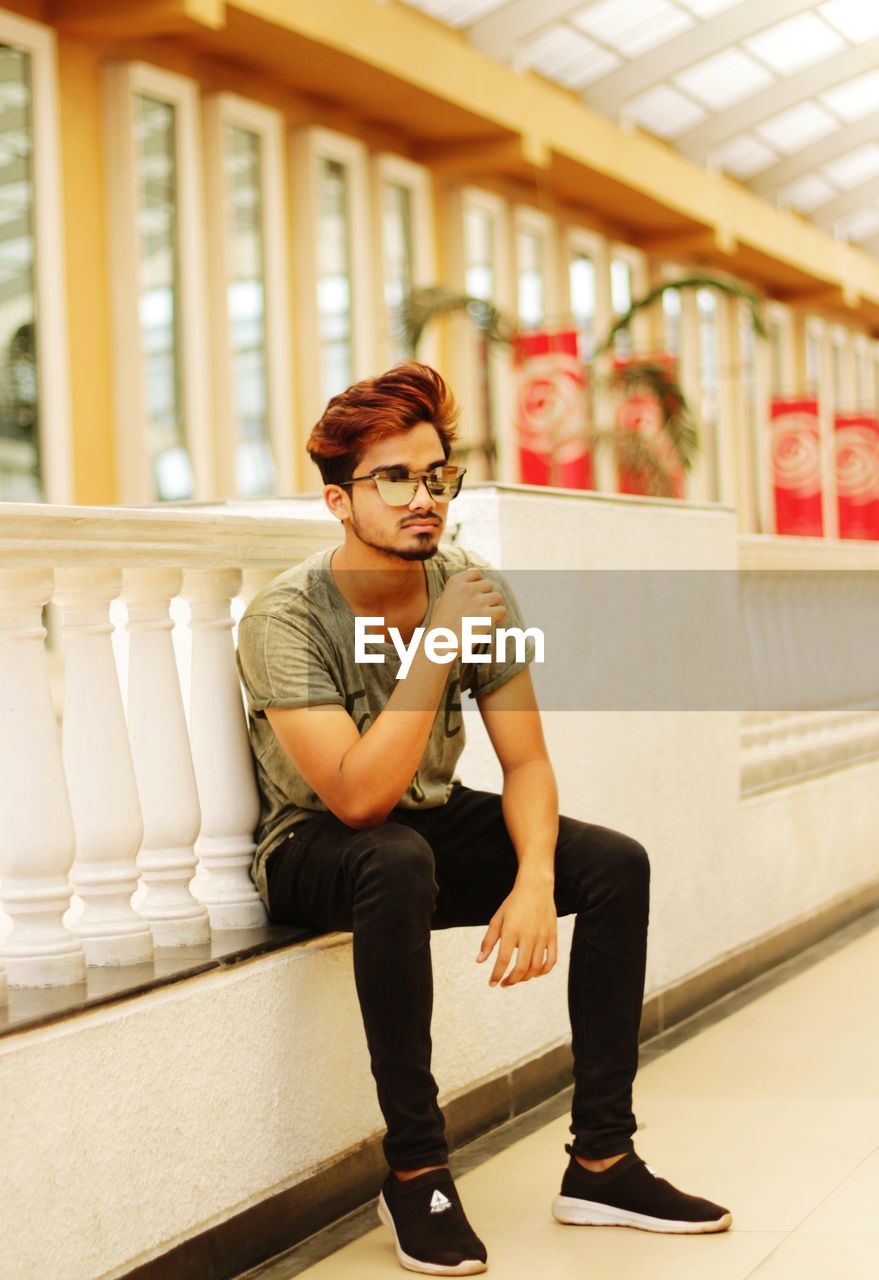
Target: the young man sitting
pixel 366 827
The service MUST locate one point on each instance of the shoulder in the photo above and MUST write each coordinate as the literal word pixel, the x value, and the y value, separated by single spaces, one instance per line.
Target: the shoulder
pixel 288 595
pixel 451 559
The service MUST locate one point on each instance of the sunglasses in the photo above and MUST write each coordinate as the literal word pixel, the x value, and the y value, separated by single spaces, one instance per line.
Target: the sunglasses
pixel 397 488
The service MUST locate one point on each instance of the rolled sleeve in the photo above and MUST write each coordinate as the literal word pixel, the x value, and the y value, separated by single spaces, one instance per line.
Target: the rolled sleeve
pixel 282 664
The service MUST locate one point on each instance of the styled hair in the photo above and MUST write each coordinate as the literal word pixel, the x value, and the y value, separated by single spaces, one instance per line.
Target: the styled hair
pixel 397 400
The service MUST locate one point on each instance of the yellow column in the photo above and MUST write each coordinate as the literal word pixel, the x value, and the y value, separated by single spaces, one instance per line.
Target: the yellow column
pixel 88 312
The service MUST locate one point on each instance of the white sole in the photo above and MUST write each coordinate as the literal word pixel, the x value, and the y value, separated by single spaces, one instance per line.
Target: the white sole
pixel 469 1267
pixel 591 1213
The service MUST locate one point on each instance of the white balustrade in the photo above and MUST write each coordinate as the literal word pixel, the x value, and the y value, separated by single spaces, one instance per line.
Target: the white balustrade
pixel 227 789
pixel 810 613
pixel 100 774
pixel 36 827
pixel 162 763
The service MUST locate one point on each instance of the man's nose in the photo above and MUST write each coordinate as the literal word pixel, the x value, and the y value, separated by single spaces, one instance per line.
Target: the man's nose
pixel 422 493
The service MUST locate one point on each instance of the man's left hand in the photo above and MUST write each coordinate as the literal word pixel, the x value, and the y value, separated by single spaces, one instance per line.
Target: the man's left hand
pixel 526 923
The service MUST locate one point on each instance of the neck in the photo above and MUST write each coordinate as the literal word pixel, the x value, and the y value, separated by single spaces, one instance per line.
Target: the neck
pixel 372 577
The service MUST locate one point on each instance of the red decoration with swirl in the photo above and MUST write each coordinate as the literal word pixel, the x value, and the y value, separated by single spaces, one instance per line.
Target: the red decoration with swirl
pixel 796 466
pixel 640 411
pixel 551 411
pixel 856 456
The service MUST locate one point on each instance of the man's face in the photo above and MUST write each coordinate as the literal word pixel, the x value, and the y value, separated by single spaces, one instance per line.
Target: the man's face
pixel 410 532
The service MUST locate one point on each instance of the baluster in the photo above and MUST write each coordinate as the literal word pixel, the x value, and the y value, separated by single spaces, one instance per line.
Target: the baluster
pixel 162 763
pixel 100 774
pixel 221 754
pixel 36 828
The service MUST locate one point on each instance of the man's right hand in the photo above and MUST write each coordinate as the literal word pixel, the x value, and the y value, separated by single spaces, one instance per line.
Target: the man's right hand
pixel 468 594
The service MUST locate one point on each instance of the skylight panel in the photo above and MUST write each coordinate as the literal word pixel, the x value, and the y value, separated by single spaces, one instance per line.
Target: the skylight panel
pixel 795 43
pixel 723 79
pixel 565 55
pixel 797 127
pixel 708 8
pixel 743 156
pixel 858 225
pixel 859 165
pixel 856 98
pixel 633 26
pixel 807 193
pixel 858 20
pixel 457 13
pixel 664 111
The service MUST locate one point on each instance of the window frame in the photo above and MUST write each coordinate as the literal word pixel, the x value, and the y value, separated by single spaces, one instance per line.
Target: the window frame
pixel 390 168
pixel 123 81
pixel 55 443
pixel 312 145
pixel 220 110
pixel 578 240
pixel 536 222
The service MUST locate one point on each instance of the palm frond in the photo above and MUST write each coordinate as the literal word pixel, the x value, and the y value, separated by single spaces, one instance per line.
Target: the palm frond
pixel 696 281
pixel 634 453
pixel 652 379
pixel 422 305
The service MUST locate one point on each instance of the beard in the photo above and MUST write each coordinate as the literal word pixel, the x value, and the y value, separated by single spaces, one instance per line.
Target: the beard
pixel 425 549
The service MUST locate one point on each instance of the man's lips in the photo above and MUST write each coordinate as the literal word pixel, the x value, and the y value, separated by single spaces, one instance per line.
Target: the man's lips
pixel 422 524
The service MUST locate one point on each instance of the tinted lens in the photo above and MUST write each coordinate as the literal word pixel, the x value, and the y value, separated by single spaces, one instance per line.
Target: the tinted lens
pixel 443 485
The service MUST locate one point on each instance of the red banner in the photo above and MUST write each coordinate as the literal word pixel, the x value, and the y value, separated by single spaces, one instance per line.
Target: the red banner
pixel 640 411
pixel 856 441
pixel 796 465
pixel 551 411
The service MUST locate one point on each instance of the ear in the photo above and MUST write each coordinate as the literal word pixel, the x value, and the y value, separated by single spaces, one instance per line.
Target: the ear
pixel 338 501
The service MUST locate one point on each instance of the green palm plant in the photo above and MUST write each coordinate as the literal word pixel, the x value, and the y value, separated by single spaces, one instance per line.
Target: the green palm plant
pixel 632 451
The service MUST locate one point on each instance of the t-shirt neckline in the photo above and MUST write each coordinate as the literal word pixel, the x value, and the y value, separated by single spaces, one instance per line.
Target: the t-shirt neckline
pixel 430 577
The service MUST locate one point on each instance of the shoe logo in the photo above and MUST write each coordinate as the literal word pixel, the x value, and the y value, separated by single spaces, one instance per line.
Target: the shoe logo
pixel 439 1203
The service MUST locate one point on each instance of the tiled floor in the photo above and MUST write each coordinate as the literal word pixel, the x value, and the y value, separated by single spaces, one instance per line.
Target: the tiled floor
pixel 772 1110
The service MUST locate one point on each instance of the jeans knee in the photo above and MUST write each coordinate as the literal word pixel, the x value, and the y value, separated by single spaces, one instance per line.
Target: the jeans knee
pixel 633 864
pixel 399 863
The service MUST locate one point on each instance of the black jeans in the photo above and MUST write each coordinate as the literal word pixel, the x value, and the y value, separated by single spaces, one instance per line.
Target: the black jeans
pixel 454 865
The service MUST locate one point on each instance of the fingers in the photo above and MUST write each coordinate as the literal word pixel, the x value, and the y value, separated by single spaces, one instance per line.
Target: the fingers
pixel 490 940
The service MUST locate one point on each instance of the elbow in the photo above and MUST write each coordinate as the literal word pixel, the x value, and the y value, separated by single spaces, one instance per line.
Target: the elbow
pixel 362 815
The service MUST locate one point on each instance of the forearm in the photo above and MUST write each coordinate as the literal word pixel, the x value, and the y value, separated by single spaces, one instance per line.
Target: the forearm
pixel 383 762
pixel 530 809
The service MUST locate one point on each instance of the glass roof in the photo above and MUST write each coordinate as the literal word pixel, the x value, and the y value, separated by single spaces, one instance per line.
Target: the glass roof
pixel 781 94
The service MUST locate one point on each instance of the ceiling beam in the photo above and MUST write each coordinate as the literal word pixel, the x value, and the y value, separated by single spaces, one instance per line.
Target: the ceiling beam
pixel 501 32
pixel 485 155
pixel 790 92
pixel 695 240
pixel 107 19
pixel 848 138
pixel 865 193
pixel 611 92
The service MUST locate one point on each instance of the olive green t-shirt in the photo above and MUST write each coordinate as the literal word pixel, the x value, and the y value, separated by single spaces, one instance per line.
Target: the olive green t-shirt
pixel 296 649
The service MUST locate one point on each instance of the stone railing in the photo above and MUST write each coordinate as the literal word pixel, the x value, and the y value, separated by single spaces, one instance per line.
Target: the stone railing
pixel 127 798
pixel 810 613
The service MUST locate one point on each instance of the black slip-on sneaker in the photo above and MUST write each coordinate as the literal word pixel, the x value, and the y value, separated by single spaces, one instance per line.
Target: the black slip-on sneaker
pixel 430 1228
pixel 632 1194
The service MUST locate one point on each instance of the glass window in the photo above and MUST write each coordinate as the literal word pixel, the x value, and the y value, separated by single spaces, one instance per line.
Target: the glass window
pixel 751 406
pixel 836 358
pixel 862 376
pixel 582 286
pixel 709 371
pixel 776 358
pixel 671 314
pixel 479 254
pixel 245 300
pixel 529 255
pixel 19 401
pixel 621 300
pixel 397 260
pixel 334 301
pixel 813 362
pixel 159 296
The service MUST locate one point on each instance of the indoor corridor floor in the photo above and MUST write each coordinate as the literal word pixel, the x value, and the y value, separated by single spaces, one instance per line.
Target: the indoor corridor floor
pixel 767 1103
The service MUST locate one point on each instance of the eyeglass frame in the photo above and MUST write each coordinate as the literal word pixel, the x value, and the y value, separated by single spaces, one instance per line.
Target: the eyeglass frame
pixel 421 476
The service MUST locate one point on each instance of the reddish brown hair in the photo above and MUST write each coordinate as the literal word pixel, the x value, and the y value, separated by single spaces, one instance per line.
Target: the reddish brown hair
pixel 370 410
